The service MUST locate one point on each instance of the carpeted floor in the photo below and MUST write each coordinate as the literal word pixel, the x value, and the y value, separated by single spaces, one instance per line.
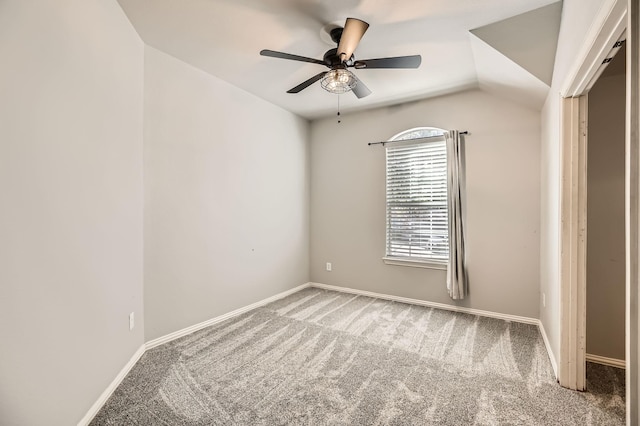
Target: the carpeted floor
pixel 325 358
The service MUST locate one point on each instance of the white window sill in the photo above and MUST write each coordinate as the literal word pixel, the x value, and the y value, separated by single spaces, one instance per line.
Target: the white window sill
pixel 429 264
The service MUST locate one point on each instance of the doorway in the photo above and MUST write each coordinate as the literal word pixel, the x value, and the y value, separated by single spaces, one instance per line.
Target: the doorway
pixel 573 204
pixel 615 16
pixel 605 241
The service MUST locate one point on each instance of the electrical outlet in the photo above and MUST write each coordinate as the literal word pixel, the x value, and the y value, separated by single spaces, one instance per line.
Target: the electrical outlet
pixel 544 300
pixel 329 266
pixel 131 321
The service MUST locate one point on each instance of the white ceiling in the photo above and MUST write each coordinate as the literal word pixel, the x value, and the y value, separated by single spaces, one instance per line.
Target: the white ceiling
pixel 224 38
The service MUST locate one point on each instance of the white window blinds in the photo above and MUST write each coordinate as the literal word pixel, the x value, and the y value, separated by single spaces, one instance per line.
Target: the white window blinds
pixel 417 200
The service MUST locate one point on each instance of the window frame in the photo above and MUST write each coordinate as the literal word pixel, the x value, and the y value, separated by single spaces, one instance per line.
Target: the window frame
pixel 418 135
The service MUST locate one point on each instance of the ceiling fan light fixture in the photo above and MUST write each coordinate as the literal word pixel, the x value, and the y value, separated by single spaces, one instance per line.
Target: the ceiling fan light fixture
pixel 338 81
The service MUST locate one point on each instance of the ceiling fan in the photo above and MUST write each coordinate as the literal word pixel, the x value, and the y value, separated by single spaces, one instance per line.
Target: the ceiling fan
pixel 339 79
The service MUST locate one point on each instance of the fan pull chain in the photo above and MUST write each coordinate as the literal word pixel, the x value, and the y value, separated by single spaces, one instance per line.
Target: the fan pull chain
pixel 339 109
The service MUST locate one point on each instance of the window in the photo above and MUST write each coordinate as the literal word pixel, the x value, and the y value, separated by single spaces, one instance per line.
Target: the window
pixel 417 220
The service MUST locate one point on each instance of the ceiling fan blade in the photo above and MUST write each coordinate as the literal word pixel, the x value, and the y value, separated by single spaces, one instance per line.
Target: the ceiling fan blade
pixel 360 90
pixel 397 62
pixel 281 55
pixel 307 83
pixel 353 31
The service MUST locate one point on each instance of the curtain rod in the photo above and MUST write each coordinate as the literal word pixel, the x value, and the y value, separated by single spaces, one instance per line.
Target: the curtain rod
pixel 404 140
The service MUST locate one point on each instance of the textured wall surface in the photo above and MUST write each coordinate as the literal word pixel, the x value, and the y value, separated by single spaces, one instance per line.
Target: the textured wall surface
pixel 226 197
pixel 502 209
pixel 71 140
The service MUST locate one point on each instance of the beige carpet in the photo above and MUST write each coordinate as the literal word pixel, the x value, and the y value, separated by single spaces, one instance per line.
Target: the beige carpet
pixel 325 358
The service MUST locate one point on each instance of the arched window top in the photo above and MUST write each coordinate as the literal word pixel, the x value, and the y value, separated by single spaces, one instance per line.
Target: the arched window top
pixel 418 132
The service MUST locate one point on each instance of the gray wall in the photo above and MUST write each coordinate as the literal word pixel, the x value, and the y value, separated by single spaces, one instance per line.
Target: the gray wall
pixel 71 97
pixel 226 197
pixel 605 216
pixel 503 192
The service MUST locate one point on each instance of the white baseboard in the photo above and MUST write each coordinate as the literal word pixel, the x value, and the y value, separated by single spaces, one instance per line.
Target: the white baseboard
pixel 111 388
pixel 554 364
pixel 612 362
pixel 164 339
pixel 497 315
pixel 177 334
pixel 180 333
pixel 506 317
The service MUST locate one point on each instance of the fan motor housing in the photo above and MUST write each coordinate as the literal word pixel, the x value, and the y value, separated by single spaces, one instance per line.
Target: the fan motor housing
pixel 331 58
pixel 333 61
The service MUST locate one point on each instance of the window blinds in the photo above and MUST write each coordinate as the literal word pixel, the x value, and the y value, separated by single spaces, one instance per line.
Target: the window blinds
pixel 417 200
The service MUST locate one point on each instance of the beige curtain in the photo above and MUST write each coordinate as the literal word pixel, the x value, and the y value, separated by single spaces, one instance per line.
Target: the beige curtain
pixel 456 268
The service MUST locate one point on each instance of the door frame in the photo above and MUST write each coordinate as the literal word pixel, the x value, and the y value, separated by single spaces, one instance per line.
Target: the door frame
pixel 632 216
pixel 573 242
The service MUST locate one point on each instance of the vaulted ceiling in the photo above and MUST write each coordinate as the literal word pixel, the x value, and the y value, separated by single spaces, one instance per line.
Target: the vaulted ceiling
pixel 503 45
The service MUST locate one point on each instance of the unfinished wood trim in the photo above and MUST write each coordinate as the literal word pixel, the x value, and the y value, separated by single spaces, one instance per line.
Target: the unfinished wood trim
pixel 570 308
pixel 573 216
pixel 632 194
pixel 581 255
pixel 566 368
